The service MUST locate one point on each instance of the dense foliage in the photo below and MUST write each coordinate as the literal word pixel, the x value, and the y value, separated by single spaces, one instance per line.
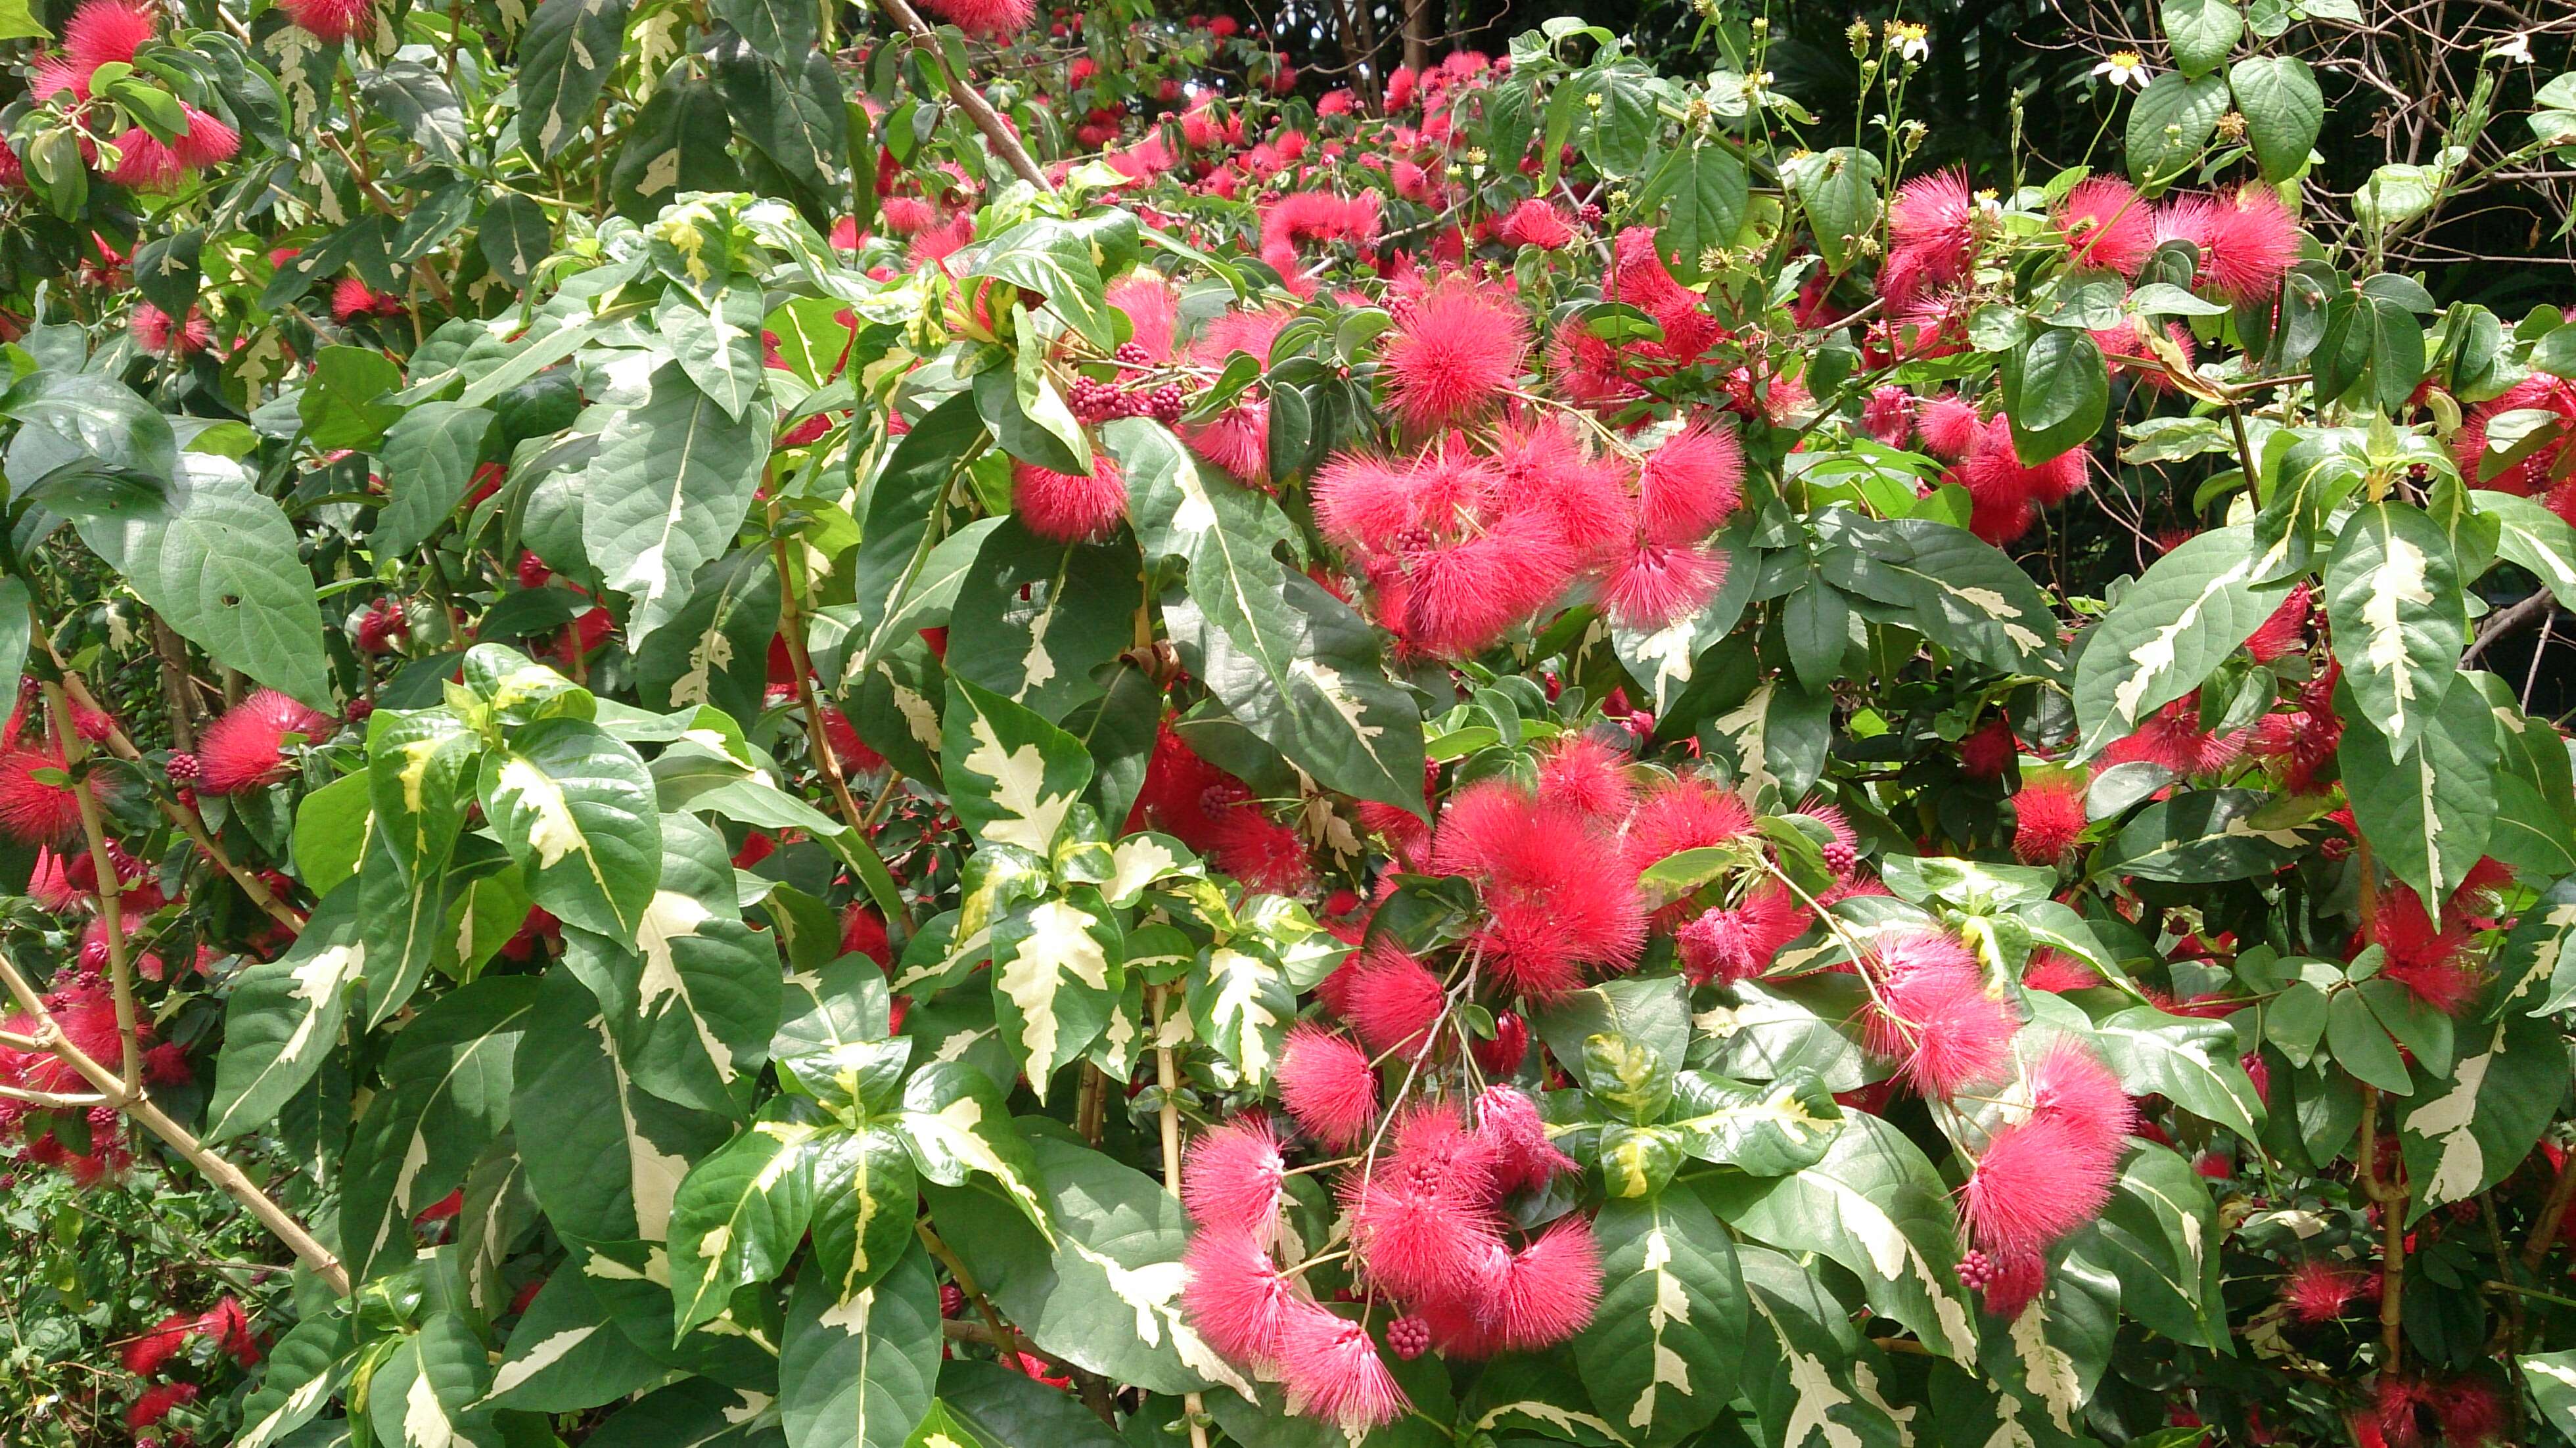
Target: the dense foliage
pixel 768 725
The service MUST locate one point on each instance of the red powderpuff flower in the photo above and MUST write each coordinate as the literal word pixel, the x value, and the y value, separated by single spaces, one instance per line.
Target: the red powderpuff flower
pixel 1888 415
pixel 1259 851
pixel 1691 484
pixel 1069 507
pixel 157 1404
pixel 1332 1371
pixel 1988 750
pixel 2247 240
pixel 1544 469
pixel 1537 223
pixel 1233 1176
pixel 907 215
pixel 206 142
pixel 2433 963
pixel 1393 1000
pixel 1454 600
pixel 1545 1292
pixel 2048 815
pixel 32 811
pixel 1451 360
pixel 2404 1413
pixel 1638 277
pixel 1930 1014
pixel 1235 1295
pixel 1727 945
pixel 2537 393
pixel 2125 346
pixel 1687 812
pixel 2472 1413
pixel 1422 1219
pixel 1949 426
pixel 863 932
pixel 1588 775
pixel 1327 1086
pixel 101 31
pixel 2318 1290
pixel 145 1355
pixel 229 1326
pixel 145 163
pixel 352 299
pixel 1153 312
pixel 1502 1056
pixel 331 20
pixel 246 748
pixel 2172 737
pixel 1558 904
pixel 2106 226
pixel 986 19
pixel 848 749
pixel 1937 211
pixel 2035 1182
pixel 1655 584
pixel 2006 493
pixel 2052 971
pixel 2069 1083
pixel 2285 632
pixel 1508 1122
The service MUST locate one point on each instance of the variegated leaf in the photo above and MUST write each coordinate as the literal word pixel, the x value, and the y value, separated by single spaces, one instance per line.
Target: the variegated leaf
pixel 864 1190
pixel 451 1069
pixel 575 807
pixel 1240 1007
pixel 2427 815
pixel 424 1395
pixel 739 1214
pixel 1057 977
pixel 859 1370
pixel 1661 1355
pixel 958 1126
pixel 567 1353
pixel 285 1016
pixel 2393 596
pixel 1765 1130
pixel 2467 1134
pixel 2191 610
pixel 1810 1376
pixel 1011 776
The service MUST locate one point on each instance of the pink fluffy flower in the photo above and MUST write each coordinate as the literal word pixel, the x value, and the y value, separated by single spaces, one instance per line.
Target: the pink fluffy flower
pixel 2069 1083
pixel 1235 1295
pixel 1153 311
pixel 2246 238
pixel 1546 471
pixel 1451 360
pixel 1655 584
pixel 207 141
pixel 1422 1215
pixel 2173 738
pixel 1508 1122
pixel 1638 277
pixel 1393 1000
pixel 1068 507
pixel 2057 973
pixel 1686 812
pixel 1233 1177
pixel 2285 632
pixel 34 811
pixel 144 162
pixel 2048 816
pixel 155 332
pixel 1888 415
pixel 2317 1290
pixel 2106 226
pixel 1560 895
pixel 1538 223
pixel 1691 484
pixel 1726 945
pixel 331 20
pixel 1545 1292
pixel 1932 1015
pixel 246 748
pixel 2035 1182
pixel 1587 775
pixel 1332 1371
pixel 103 31
pixel 986 19
pixel 1948 425
pixel 1327 1085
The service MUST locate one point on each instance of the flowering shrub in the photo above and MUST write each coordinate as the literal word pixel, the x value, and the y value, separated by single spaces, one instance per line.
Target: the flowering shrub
pixel 773 729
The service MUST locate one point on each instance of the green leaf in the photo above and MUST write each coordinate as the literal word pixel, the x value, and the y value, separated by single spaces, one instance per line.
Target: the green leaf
pixel 958 1126
pixel 2191 1061
pixel 574 805
pixel 1839 188
pixel 284 1017
pixel 449 1074
pixel 1057 977
pixel 2361 1045
pixel 1241 1004
pixel 1964 593
pixel 1661 1355
pixel 2535 538
pixel 565 56
pixel 331 828
pixel 18 22
pixel 2551 1377
pixel 859 1371
pixel 2159 1236
pixel 739 1215
pixel 1105 1293
pixel 17 631
pixel 694 999
pixel 2393 595
pixel 1815 622
pixel 1875 1206
pixel 1811 1378
pixel 423 1394
pixel 1053 259
pixel 218 562
pixel 1704 190
pixel 865 1188
pixel 718 345
pixel 2469 1132
pixel 2202 32
pixel 1292 663
pixel 2172 119
pixel 780 29
pixel 666 492
pixel 1005 1409
pixel 1033 619
pixel 1651 1012
pixel 567 1353
pixel 613 1154
pixel 305 1368
pixel 345 402
pixel 2535 953
pixel 2193 609
pixel 428 459
pixel 682 140
pixel 2201 837
pixel 1764 1130
pixel 2428 815
pixel 2283 109
pixel 515 237
pixel 1011 776
pixel 2056 391
pixel 715 650
pixel 896 532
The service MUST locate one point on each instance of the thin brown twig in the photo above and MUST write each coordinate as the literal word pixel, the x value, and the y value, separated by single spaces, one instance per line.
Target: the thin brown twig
pixel 997 133
pixel 111 885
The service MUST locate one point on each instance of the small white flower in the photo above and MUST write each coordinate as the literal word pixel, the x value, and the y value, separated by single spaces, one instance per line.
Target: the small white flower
pixel 2125 68
pixel 1912 41
pixel 2518 48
